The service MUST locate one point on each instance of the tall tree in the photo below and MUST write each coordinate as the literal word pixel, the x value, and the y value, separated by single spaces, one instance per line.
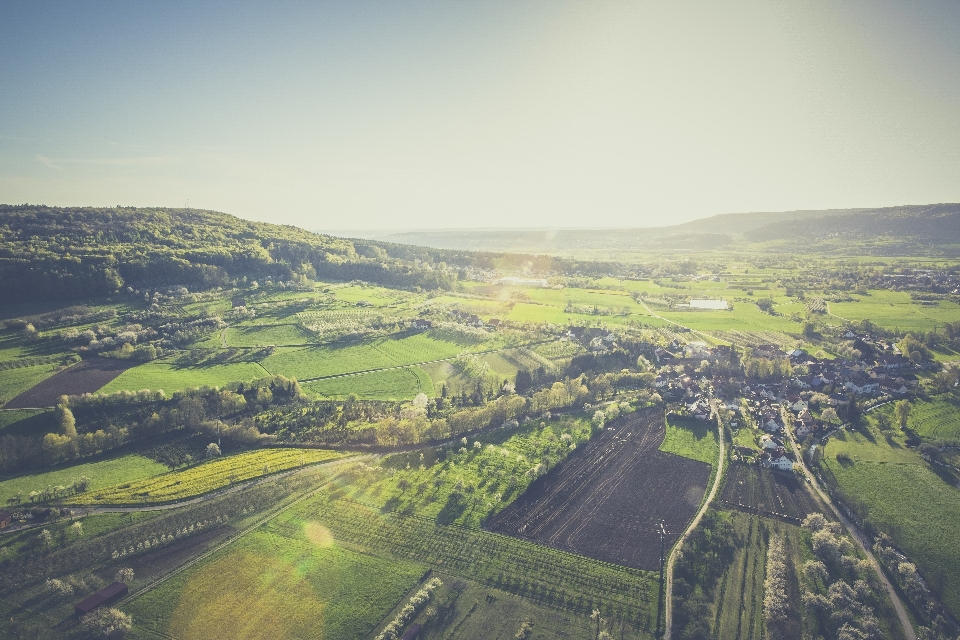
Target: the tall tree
pixel 902 411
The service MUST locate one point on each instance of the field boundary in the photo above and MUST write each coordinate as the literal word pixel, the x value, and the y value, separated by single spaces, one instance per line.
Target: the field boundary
pixel 668 588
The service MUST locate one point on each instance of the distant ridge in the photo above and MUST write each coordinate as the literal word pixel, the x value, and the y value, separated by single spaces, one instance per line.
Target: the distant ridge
pixel 906 229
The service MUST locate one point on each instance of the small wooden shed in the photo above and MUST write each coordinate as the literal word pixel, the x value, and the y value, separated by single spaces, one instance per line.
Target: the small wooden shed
pixel 107 595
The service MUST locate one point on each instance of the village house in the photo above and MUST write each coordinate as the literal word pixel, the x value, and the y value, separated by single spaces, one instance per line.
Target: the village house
pixel 777 459
pixel 768 442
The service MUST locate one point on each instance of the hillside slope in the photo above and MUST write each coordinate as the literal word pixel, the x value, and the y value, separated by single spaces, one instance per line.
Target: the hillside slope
pixel 72 253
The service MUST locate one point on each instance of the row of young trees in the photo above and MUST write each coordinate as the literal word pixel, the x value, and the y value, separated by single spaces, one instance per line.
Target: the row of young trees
pixel 91 424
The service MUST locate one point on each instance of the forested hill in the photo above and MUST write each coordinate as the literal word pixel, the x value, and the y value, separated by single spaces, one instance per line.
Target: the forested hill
pixel 74 253
pixel 907 229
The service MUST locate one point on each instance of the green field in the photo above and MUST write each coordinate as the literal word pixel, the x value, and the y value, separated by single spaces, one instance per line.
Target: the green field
pixel 744 317
pixel 278 335
pixel 170 377
pixel 284 582
pixel 935 419
pixel 421 347
pixel 11 417
pixel 106 473
pixel 205 477
pixel 318 362
pixel 691 438
pixel 13 382
pixel 467 486
pixel 895 310
pixel 393 384
pixel 906 499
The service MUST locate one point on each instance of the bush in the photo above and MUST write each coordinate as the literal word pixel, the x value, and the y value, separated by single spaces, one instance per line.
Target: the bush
pixel 107 623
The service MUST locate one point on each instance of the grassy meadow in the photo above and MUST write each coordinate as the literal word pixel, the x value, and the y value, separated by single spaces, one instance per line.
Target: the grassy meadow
pixel 392 384
pixel 13 382
pixel 284 582
pixel 102 474
pixel 170 377
pixel 918 505
pixel 692 438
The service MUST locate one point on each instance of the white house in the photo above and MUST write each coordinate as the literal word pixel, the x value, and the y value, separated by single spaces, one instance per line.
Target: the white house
pixel 781 462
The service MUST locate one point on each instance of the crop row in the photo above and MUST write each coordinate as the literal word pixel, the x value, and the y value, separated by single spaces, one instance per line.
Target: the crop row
pixel 545 575
pixel 208 476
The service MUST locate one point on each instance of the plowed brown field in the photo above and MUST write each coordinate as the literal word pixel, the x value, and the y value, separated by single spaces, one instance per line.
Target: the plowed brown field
pixel 85 377
pixel 607 499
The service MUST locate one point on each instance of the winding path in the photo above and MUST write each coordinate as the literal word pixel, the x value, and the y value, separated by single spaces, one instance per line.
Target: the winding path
pixel 668 595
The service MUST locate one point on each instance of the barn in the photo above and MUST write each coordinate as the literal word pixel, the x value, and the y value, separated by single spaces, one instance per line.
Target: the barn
pixel 107 595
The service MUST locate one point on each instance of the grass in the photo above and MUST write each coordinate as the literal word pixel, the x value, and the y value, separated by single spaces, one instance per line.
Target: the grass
pixel 278 335
pixel 421 347
pixel 205 477
pixel 169 377
pixel 317 362
pixel 284 582
pixel 12 417
pixel 105 473
pixel 692 438
pixel 465 486
pixel 906 498
pixel 895 310
pixel 394 384
pixel 13 382
pixel 935 419
pixel 562 581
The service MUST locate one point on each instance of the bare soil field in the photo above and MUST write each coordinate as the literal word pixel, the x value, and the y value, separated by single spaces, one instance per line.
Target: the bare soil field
pixel 768 493
pixel 85 377
pixel 607 499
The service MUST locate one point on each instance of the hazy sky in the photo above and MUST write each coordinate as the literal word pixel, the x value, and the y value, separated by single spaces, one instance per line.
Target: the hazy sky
pixel 459 114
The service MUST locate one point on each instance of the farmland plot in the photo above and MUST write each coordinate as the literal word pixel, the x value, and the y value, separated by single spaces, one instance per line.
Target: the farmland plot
pixel 607 499
pixel 206 477
pixel 768 493
pixel 86 377
pixel 394 384
pixel 284 583
pixel 170 377
pixel 278 335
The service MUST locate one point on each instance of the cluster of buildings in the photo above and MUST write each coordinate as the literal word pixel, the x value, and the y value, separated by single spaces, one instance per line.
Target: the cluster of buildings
pixel 927 280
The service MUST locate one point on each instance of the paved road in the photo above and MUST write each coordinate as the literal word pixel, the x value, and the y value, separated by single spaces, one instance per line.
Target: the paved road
pixel 862 541
pixel 668 595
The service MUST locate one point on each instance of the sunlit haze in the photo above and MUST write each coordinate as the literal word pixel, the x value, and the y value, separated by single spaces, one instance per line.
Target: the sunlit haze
pixel 480 114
